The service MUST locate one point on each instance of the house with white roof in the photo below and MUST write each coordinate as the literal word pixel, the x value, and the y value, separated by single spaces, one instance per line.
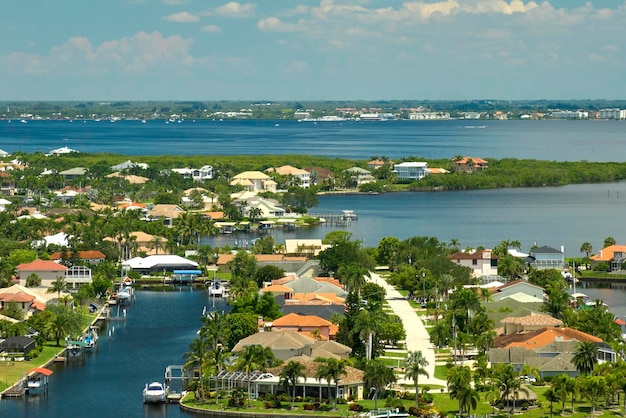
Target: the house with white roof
pixel 3 153
pixel 197 174
pixel 159 263
pixel 3 204
pixel 411 170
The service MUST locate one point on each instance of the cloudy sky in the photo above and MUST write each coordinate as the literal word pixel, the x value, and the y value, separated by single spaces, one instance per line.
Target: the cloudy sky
pixel 312 49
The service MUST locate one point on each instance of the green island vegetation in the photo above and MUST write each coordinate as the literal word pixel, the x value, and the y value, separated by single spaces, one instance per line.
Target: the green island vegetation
pixel 282 110
pixel 419 267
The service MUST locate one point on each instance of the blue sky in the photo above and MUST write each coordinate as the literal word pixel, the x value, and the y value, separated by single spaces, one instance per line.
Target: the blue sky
pixel 312 49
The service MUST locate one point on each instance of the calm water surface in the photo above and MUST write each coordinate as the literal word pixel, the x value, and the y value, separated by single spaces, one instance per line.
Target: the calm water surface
pixel 543 140
pixel 156 333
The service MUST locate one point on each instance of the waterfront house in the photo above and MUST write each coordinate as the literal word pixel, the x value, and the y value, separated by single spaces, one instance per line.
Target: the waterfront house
pixel 303 177
pixel 146 243
pixel 254 181
pixel 377 163
pixel 311 325
pixel 305 247
pixel 288 344
pixel 482 263
pixel 359 175
pixel 17 346
pixel 613 255
pixel 543 258
pixel 411 170
pixel 159 263
pixel 270 208
pixel 469 164
pixel 319 174
pixel 166 212
pixel 47 270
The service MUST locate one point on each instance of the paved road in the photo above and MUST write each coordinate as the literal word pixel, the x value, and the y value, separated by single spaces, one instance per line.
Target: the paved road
pixel 417 337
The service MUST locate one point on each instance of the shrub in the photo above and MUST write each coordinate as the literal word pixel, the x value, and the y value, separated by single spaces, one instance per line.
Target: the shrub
pixel 355 407
pixel 341 401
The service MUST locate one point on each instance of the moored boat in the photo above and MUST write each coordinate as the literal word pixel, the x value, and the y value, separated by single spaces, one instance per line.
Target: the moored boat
pixel 154 393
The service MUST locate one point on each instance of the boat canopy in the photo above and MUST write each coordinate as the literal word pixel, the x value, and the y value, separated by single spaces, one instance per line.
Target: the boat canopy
pixel 197 272
pixel 40 370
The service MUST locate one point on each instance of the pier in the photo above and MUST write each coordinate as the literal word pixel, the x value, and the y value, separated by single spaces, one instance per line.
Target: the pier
pixel 342 219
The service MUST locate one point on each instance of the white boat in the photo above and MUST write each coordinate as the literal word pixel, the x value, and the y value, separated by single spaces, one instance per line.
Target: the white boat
pixel 154 393
pixel 386 413
pixel 216 289
pixel 348 214
pixel 24 121
pixel 123 294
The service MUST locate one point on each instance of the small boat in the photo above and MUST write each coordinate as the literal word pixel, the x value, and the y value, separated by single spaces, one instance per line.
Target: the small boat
pixel 123 295
pixel 154 393
pixel 348 214
pixel 386 413
pixel 216 289
pixel 23 121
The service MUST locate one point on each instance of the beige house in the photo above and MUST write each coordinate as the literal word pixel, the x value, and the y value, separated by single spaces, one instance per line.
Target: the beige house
pixel 254 181
pixel 288 344
pixel 47 271
pixel 482 263
pixel 303 176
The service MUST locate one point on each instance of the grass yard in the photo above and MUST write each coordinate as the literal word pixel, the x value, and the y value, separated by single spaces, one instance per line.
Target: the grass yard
pixel 12 371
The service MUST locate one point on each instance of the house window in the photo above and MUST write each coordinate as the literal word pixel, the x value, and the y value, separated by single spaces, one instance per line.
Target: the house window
pixel 474 262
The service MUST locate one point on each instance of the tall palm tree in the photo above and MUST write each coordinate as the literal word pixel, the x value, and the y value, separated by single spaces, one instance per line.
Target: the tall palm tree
pixel 289 376
pixel 586 248
pixel 251 358
pixel 510 385
pixel 552 396
pixel 561 385
pixel 377 377
pixel 331 370
pixel 58 285
pixel 353 275
pixel 415 365
pixel 585 357
pixel 197 356
pixel 459 381
pixel 368 323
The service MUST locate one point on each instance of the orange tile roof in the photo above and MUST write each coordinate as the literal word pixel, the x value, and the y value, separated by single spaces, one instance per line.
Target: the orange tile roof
pixel 40 306
pixel 607 253
pixel 545 336
pixel 315 299
pixel 277 289
pixel 214 215
pixel 41 265
pixel 329 280
pixel 19 297
pixel 295 320
pixel 284 280
pixel 85 255
pixel 533 320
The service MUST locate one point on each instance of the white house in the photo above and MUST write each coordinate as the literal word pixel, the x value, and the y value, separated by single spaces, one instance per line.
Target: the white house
pixel 520 291
pixel 482 263
pixel 254 181
pixel 197 174
pixel 411 170
pixel 159 263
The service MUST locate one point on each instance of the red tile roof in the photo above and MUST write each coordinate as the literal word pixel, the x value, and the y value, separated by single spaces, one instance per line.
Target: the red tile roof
pixel 19 297
pixel 41 265
pixel 85 255
pixel 295 320
pixel 542 337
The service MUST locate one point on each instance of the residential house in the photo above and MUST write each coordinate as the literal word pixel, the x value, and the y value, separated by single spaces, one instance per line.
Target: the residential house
pixel 47 271
pixel 127 165
pixel 543 258
pixel 305 247
pixel 288 344
pixel 146 243
pixel 3 153
pixel 254 181
pixel 303 176
pixel 28 300
pixel 197 174
pixel 613 255
pixel 320 174
pixel 522 325
pixel 159 263
pixel 411 170
pixel 73 173
pixel 132 179
pixel 4 204
pixel 359 175
pixel 377 163
pixel 482 263
pixel 519 290
pixel 311 325
pixel 166 212
pixel 468 164
pixel 90 257
pixel 7 184
pixel 270 208
pixel 17 346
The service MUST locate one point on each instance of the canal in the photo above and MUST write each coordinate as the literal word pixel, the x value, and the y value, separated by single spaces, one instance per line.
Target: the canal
pixel 156 333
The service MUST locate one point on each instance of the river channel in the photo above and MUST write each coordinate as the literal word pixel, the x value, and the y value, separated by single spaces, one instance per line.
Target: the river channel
pixel 158 329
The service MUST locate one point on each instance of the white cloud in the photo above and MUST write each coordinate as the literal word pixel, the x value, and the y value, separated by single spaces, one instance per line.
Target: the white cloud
pixel 211 29
pixel 182 17
pixel 274 24
pixel 295 67
pixel 235 9
pixel 129 55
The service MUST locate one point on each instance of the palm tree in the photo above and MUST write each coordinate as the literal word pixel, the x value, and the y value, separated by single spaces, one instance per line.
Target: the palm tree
pixel 368 323
pixel 332 370
pixel 156 243
pixel 594 389
pixel 197 356
pixel 251 358
pixel 585 357
pixel 353 276
pixel 58 285
pixel 61 323
pixel 415 365
pixel 289 376
pixel 552 396
pixel 254 214
pixel 608 241
pixel 586 248
pixel 507 380
pixel 459 386
pixel 377 377
pixel 561 386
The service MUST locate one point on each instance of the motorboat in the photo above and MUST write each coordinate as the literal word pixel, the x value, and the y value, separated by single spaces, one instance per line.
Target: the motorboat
pixel 348 214
pixel 386 413
pixel 123 295
pixel 154 393
pixel 216 289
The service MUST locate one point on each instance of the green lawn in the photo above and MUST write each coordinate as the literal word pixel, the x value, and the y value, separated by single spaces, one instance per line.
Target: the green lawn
pixel 11 372
pixel 402 354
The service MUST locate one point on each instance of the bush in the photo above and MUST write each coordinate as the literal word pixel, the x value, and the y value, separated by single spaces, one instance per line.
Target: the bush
pixel 311 406
pixel 355 407
pixel 341 401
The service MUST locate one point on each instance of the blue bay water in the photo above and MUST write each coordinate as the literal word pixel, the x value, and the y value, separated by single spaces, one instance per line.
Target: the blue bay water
pixel 544 140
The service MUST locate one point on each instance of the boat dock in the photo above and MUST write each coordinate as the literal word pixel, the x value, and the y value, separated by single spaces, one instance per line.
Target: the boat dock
pixel 343 218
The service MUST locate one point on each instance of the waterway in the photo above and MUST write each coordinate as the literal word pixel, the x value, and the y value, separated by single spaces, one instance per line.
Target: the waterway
pixel 157 332
pixel 564 216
